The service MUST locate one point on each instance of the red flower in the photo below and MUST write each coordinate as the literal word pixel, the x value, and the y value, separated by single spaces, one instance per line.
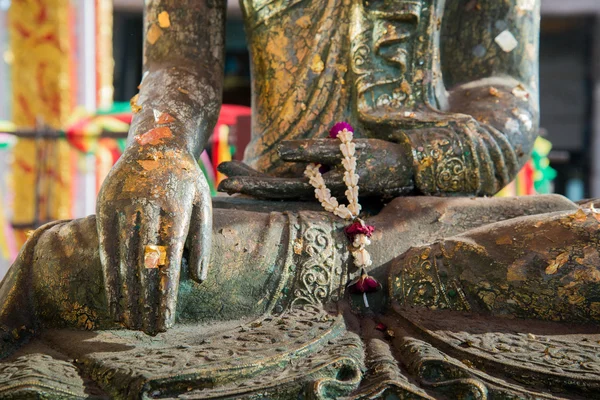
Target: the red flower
pixel 357 228
pixel 381 327
pixel 337 128
pixel 364 284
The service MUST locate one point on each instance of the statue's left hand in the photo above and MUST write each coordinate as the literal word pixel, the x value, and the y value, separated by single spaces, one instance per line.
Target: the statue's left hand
pixel 384 169
pixel 152 202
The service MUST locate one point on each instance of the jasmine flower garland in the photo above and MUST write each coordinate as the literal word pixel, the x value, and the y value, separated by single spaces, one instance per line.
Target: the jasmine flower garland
pixel 357 232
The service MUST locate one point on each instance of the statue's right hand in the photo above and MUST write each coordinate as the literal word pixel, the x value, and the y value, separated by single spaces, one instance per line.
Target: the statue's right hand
pixel 151 203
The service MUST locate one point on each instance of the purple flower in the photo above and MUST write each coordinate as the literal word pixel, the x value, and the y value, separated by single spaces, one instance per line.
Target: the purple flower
pixel 358 228
pixel 323 169
pixel 337 128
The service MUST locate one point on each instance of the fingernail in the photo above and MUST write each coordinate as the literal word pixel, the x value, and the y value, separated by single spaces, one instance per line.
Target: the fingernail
pixel 203 271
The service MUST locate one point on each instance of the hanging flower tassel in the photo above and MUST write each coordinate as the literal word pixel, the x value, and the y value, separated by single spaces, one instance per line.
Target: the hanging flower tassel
pixel 358 232
pixel 364 284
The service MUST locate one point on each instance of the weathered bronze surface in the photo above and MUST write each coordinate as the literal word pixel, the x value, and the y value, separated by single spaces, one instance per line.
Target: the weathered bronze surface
pixel 167 294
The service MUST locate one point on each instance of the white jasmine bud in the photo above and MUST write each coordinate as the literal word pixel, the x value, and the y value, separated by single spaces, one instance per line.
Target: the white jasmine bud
pixel 362 258
pixel 345 136
pixel 349 163
pixel 350 179
pixel 332 201
pixel 323 193
pixel 352 193
pixel 347 149
pixel 360 241
pixel 354 208
pixel 343 212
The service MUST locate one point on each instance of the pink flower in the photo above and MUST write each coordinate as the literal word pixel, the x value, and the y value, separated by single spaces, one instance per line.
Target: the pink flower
pixel 337 128
pixel 358 228
pixel 364 284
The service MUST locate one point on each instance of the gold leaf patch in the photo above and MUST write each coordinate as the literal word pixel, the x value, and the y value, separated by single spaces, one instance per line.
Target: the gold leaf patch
pixel 558 262
pixel 163 20
pixel 154 33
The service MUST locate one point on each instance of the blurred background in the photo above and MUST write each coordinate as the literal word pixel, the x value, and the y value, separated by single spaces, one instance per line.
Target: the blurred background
pixel 68 70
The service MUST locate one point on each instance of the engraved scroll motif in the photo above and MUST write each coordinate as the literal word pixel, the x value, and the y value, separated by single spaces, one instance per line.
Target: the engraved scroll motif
pixel 419 281
pixel 319 276
pixel 253 357
pixel 337 366
pixel 441 162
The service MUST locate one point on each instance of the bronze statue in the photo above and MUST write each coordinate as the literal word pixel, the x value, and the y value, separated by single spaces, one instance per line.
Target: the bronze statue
pixel 250 300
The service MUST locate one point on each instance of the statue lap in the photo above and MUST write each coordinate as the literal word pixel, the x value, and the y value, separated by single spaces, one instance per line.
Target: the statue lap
pixel 290 328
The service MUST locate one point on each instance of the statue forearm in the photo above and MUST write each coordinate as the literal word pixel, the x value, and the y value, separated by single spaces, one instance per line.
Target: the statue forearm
pixel 183 69
pixel 508 125
pixel 482 147
pixel 492 104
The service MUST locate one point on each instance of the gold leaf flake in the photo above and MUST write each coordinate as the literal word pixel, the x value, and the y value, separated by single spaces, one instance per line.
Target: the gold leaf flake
pixel 163 20
pixel 520 92
pixel 405 86
pixel 154 136
pixel 134 105
pixel 149 165
pixel 558 262
pixel 579 216
pixel 154 33
pixel 162 118
pixel 419 75
pixel 506 239
pixel 165 119
pixel 298 245
pixel 154 256
pixel 317 65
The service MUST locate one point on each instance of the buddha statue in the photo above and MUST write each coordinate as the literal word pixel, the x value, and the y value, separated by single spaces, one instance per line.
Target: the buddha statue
pixel 167 293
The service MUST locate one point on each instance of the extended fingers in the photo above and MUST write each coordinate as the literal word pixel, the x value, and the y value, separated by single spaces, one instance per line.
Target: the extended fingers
pixel 321 151
pixel 148 260
pixel 267 187
pixel 173 232
pixel 280 188
pixel 108 234
pixel 137 226
pixel 200 234
pixel 236 168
